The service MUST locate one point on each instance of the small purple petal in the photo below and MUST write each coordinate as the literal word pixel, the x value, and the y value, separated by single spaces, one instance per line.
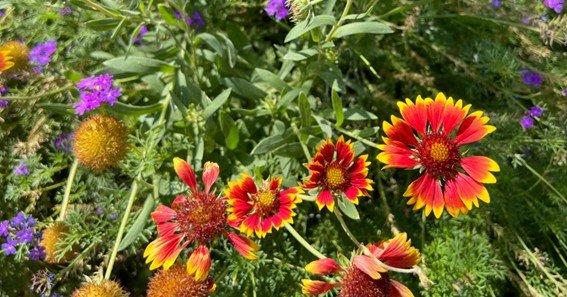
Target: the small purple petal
pixel 531 78
pixel 21 169
pixel 4 228
pixel 527 122
pixel 535 111
pixel 277 9
pixel 556 5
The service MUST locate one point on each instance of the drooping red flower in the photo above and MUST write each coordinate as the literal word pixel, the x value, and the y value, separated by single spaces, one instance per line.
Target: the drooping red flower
pixel 258 209
pixel 365 276
pixel 429 137
pixel 197 218
pixel 335 170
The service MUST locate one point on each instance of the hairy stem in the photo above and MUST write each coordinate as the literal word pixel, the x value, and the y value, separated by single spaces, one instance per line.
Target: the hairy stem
pixel 67 193
pixel 304 242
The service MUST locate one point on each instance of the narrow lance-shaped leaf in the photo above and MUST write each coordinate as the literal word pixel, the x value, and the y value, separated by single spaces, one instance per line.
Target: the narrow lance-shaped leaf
pixel 338 108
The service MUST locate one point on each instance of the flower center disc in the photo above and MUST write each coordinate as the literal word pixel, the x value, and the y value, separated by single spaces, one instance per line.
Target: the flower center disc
pixel 201 216
pixel 439 155
pixel 266 202
pixel 335 176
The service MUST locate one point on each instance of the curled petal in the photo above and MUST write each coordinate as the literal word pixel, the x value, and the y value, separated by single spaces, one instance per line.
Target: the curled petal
pixel 398 252
pixel 368 265
pixel 163 214
pixel 185 173
pixel 244 246
pixel 210 175
pixel 199 263
pixel 314 287
pixel 323 266
pixel 399 290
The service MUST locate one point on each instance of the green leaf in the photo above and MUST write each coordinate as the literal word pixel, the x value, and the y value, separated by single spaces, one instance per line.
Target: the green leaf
pixel 230 50
pixel 269 144
pixel 361 28
pixel 103 24
pixel 324 125
pixel 244 88
pixel 229 130
pixel 138 225
pixel 212 41
pixel 166 15
pixel 274 81
pixel 301 55
pixel 338 108
pixel 133 110
pixel 308 25
pixel 289 150
pixel 136 64
pixel 304 110
pixel 59 108
pixel 348 208
pixel 216 103
pixel 356 114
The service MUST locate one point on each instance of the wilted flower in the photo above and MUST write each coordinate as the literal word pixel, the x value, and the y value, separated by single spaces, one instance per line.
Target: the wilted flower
pixel 197 218
pixel 258 209
pixel 104 288
pixel 40 55
pixel 19 53
pixel 366 276
pixel 101 142
pixel 429 137
pixel 277 9
pixel 335 171
pixel 531 78
pixel 556 5
pixel 177 282
pixel 21 169
pixel 95 91
pixel 42 281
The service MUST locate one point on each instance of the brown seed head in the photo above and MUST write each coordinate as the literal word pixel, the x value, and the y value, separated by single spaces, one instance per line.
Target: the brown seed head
pixel 105 288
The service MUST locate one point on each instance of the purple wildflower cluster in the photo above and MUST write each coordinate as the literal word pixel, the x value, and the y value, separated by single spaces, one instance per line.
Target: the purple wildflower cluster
pixel 95 91
pixel 19 232
pixel 531 78
pixel 3 90
pixel 64 142
pixel 496 3
pixel 556 5
pixel 66 10
pixel 277 9
pixel 527 120
pixel 21 169
pixel 40 55
pixel 196 20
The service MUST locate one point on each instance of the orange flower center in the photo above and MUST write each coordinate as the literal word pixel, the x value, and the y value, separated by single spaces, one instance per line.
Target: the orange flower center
pixel 439 151
pixel 335 176
pixel 201 216
pixel 266 202
pixel 439 155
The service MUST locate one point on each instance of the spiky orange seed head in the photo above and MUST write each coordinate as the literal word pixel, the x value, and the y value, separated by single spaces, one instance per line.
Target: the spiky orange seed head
pixel 101 142
pixel 20 54
pixel 105 288
pixel 299 9
pixel 50 236
pixel 177 282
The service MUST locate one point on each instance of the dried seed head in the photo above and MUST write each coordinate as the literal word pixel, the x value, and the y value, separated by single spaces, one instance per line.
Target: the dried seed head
pixel 105 288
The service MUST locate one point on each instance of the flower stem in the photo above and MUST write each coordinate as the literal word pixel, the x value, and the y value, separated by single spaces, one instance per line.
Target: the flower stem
pixel 304 242
pixel 67 193
pixel 361 139
pixel 36 96
pixel 543 179
pixel 339 216
pixel 133 192
pixel 303 146
pixel 341 20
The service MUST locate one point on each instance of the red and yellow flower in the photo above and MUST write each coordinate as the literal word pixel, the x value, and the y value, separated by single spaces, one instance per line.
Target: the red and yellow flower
pixel 257 209
pixel 429 137
pixel 366 275
pixel 335 170
pixel 197 218
pixel 5 60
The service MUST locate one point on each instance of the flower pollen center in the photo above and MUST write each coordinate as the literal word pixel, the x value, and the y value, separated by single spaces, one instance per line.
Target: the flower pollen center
pixel 439 155
pixel 266 202
pixel 201 216
pixel 439 152
pixel 356 283
pixel 335 176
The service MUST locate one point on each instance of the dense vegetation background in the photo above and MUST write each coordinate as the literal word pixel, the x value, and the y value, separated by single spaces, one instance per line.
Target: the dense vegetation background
pixel 243 89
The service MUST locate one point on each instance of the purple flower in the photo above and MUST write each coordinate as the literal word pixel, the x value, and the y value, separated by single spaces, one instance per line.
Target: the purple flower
pixel 527 122
pixel 65 10
pixel 197 20
pixel 41 53
pixel 18 219
pixel 177 14
pixel 535 111
pixel 9 247
pixel 277 9
pixel 36 253
pixel 64 142
pixel 1 13
pixel 98 210
pixel 21 169
pixel 95 91
pixel 496 3
pixel 4 228
pixel 556 5
pixel 24 235
pixel 531 78
pixel 526 20
pixel 4 103
pixel 3 89
pixel 564 92
pixel 143 31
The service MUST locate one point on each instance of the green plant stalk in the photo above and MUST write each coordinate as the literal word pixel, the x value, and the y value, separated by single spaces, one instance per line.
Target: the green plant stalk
pixel 303 146
pixel 303 242
pixel 341 20
pixel 37 96
pixel 363 140
pixel 133 192
pixel 67 193
pixel 547 183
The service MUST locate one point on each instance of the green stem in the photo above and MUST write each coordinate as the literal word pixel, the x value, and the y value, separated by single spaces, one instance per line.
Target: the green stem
pixel 534 172
pixel 304 242
pixel 303 146
pixel 36 96
pixel 339 216
pixel 352 135
pixel 133 192
pixel 70 179
pixel 341 20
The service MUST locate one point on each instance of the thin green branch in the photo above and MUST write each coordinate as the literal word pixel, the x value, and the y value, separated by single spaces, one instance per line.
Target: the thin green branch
pixel 304 242
pixel 67 193
pixel 37 96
